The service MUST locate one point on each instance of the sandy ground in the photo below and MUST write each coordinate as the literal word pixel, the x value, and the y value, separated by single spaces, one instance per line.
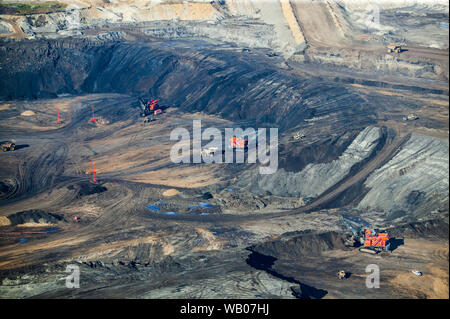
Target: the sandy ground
pixel 433 284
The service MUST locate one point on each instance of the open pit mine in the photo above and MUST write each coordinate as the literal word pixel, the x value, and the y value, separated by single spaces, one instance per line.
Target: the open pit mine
pixel 98 99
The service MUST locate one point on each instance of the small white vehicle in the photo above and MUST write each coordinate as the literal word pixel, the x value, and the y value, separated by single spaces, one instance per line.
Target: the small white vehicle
pixel 209 151
pixel 416 272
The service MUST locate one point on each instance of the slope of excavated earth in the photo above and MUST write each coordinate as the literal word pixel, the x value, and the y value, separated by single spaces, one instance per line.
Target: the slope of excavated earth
pixel 219 80
pixel 416 177
pixel 314 179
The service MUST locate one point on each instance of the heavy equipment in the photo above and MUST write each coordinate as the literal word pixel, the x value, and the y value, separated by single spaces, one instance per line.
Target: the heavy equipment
pixel 238 143
pixel 150 118
pixel 8 146
pixel 150 107
pixel 411 117
pixel 298 136
pixel 375 241
pixel 209 151
pixel 394 48
pixel 370 240
pixel 355 225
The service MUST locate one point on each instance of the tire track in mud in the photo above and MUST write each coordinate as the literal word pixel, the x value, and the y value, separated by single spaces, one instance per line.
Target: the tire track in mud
pixel 43 170
pixel 84 238
pixel 113 218
pixel 39 174
pixel 440 255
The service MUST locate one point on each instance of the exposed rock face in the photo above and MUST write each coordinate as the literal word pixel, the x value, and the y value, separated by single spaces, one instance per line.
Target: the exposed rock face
pixel 314 179
pixel 386 64
pixel 415 180
pixel 247 23
pixel 243 33
pixel 300 244
pixel 5 27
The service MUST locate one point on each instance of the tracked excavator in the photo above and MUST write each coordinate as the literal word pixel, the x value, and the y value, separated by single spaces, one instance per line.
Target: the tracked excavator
pixel 150 107
pixel 371 241
pixel 375 241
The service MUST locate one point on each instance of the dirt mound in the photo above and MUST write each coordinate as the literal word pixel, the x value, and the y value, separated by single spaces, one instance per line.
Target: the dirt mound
pixel 4 221
pixel 433 228
pixel 170 192
pixel 87 188
pixel 4 107
pixel 297 245
pixel 34 216
pixel 100 121
pixel 27 113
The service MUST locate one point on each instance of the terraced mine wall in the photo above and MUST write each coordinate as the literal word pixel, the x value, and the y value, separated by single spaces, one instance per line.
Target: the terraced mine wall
pixel 315 178
pixel 194 76
pixel 415 180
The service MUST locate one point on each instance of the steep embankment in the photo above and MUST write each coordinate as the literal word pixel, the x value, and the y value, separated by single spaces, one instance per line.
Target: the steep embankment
pixel 315 178
pixel 415 180
pixel 192 75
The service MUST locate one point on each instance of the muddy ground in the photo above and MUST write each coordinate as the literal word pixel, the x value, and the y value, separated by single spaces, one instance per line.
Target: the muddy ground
pixel 149 228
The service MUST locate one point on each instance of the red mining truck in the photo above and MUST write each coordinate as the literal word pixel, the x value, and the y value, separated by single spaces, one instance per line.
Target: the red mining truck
pixel 239 143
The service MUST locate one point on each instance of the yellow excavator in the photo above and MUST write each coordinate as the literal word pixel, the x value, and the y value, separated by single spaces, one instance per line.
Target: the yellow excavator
pixel 298 136
pixel 394 48
pixel 8 146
